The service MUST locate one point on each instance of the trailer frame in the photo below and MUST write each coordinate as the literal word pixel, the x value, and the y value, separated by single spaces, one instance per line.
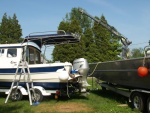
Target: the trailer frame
pixel 39 91
pixel 139 98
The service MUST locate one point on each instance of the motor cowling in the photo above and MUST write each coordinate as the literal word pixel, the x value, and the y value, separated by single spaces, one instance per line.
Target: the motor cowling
pixel 82 67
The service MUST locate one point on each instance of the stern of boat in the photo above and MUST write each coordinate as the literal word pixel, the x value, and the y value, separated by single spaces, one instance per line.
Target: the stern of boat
pixel 75 74
pixel 80 70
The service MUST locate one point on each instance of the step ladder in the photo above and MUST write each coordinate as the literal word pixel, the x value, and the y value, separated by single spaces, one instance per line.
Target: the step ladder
pixel 23 69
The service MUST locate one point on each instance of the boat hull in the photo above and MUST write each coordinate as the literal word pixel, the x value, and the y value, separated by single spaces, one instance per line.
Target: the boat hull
pixel 122 72
pixel 46 76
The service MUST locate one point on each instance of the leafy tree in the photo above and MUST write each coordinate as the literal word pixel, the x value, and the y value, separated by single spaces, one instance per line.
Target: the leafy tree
pixel 106 46
pixel 83 20
pixel 72 23
pixel 88 44
pixel 17 31
pixel 97 43
pixel 10 30
pixel 3 28
pixel 68 52
pixel 137 52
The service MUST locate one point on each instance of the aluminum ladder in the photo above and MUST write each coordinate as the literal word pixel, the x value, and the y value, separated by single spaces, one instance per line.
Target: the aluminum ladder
pixel 23 69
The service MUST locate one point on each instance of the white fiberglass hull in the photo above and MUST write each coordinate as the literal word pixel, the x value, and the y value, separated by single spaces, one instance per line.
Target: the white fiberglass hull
pixel 45 75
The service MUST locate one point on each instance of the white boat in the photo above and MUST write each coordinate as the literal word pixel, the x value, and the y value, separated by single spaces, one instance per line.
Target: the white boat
pixel 49 76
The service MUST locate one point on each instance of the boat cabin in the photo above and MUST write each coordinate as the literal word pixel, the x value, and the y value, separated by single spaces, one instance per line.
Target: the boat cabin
pixel 11 54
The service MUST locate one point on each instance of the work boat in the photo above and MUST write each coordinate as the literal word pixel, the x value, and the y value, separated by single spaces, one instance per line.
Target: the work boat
pixel 128 77
pixel 127 73
pixel 49 76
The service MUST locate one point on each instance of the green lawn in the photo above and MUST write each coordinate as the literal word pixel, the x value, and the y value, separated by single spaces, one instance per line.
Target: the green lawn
pixel 96 101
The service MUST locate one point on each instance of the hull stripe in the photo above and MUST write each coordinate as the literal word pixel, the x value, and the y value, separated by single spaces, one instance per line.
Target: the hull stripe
pixel 33 70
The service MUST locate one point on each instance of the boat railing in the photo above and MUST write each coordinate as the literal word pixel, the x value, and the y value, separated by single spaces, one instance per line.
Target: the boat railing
pixel 43 33
pixel 147 50
pixel 47 32
pixel 52 38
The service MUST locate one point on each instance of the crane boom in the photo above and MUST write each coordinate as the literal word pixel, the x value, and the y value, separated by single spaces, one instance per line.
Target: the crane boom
pixel 124 40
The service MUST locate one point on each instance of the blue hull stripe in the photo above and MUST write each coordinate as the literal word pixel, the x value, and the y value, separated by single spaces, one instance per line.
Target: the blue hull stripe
pixel 33 70
pixel 45 85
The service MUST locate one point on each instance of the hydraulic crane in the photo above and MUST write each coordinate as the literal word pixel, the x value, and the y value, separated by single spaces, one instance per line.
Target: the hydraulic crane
pixel 124 40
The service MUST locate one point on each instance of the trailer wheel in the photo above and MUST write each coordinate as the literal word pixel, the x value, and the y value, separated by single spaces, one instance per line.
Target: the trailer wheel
pixel 138 101
pixel 16 95
pixel 148 104
pixel 103 88
pixel 36 95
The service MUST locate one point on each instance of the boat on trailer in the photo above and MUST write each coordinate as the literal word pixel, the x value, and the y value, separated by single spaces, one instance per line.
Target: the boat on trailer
pixel 60 76
pixel 128 77
pixel 124 72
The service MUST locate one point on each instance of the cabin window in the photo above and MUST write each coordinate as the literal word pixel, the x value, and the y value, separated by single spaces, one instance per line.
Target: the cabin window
pixel 12 52
pixel 1 52
pixel 33 55
pixel 37 57
pixel 27 55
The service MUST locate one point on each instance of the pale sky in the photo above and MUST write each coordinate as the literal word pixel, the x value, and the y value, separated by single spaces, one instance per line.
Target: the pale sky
pixel 130 17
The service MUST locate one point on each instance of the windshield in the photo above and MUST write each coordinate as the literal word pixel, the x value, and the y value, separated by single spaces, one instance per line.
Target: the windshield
pixel 33 55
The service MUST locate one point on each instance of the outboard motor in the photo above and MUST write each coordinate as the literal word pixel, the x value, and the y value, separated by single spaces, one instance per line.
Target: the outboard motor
pixel 82 67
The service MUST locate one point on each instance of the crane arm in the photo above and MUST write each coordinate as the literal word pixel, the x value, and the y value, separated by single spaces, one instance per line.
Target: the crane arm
pixel 124 40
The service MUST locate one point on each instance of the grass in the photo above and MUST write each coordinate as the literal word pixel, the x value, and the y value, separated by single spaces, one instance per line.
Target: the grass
pixel 96 101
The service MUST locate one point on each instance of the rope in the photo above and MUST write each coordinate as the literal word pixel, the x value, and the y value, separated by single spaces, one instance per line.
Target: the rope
pixel 94 69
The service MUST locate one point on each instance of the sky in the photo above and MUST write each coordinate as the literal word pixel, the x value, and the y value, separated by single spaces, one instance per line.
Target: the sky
pixel 130 17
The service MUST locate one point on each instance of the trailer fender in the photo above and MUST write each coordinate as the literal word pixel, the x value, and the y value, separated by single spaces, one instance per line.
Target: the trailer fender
pixel 22 90
pixel 146 93
pixel 43 91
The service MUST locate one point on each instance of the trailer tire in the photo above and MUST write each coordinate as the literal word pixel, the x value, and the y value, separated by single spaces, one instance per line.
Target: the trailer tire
pixel 16 95
pixel 148 105
pixel 103 88
pixel 38 95
pixel 138 101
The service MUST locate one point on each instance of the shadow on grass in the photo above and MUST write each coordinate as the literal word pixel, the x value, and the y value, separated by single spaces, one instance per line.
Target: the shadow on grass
pixel 111 95
pixel 10 108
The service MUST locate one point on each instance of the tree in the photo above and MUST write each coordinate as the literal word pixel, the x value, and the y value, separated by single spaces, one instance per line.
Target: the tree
pixel 17 31
pixel 137 52
pixel 3 28
pixel 97 43
pixel 88 44
pixel 83 20
pixel 107 46
pixel 73 22
pixel 10 30
pixel 71 51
